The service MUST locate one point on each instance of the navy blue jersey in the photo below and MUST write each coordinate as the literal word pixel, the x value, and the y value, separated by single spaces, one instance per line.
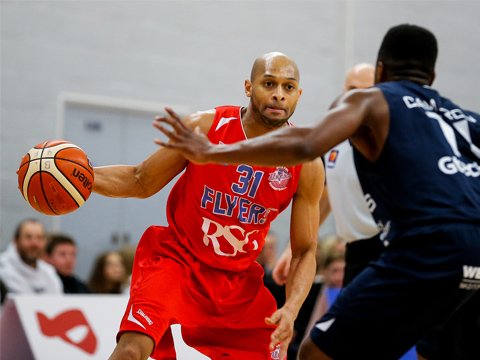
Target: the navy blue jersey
pixel 428 173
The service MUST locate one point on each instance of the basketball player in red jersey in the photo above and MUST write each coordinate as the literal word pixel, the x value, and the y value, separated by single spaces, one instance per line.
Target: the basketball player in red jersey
pixel 200 270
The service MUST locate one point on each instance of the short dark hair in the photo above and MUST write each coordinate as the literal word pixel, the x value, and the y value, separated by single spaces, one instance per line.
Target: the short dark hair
pixel 58 239
pixel 18 229
pixel 409 50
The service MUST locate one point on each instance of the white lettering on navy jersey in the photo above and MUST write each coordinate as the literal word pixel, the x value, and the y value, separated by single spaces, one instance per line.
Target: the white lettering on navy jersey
pixel 457 114
pixel 371 204
pixel 471 278
pixel 451 165
pixel 412 103
pixel 384 229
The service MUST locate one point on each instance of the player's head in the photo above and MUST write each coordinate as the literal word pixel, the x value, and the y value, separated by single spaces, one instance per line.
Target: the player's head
pixel 30 241
pixel 407 52
pixel 273 88
pixel 61 252
pixel 360 76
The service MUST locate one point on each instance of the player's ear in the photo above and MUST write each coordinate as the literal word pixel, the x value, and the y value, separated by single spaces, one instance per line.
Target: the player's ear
pixel 299 94
pixel 379 72
pixel 248 88
pixel 433 78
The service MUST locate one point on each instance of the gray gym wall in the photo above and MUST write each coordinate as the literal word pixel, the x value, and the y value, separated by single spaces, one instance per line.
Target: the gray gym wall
pixel 196 55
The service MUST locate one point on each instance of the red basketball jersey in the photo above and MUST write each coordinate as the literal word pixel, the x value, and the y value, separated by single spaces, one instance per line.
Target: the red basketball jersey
pixel 221 213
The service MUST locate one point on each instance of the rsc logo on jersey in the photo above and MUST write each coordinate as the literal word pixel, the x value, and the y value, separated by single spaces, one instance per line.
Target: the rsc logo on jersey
pixel 279 179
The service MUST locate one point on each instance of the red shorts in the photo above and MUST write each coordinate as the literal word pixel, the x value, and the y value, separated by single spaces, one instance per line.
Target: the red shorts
pixel 222 313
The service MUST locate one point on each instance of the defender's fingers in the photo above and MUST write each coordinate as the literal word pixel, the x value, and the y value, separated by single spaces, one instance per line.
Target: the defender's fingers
pixel 178 126
pixel 164 144
pixel 171 135
pixel 172 113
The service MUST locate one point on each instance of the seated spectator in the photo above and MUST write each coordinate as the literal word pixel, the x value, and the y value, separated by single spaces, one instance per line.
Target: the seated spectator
pixel 3 292
pixel 61 253
pixel 267 259
pixel 108 275
pixel 21 266
pixel 332 269
pixel 303 316
pixel 127 252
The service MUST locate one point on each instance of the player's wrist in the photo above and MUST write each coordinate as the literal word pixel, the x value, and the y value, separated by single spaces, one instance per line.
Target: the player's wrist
pixel 292 307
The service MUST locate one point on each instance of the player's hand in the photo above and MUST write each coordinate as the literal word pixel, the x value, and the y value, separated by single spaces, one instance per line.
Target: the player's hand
pixel 282 267
pixel 194 145
pixel 283 319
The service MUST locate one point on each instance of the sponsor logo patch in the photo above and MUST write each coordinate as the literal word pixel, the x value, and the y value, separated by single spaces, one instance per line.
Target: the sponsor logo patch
pixel 72 327
pixel 332 159
pixel 471 278
pixel 134 320
pixel 451 165
pixel 279 179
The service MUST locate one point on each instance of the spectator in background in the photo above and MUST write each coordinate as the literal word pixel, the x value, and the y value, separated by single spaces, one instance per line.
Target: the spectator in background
pixel 329 244
pixel 268 256
pixel 332 269
pixel 61 253
pixel 127 252
pixel 267 259
pixel 108 275
pixel 3 291
pixel 21 266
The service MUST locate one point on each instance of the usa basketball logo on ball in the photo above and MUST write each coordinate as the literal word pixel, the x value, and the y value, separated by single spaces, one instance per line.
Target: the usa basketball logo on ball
pixel 55 177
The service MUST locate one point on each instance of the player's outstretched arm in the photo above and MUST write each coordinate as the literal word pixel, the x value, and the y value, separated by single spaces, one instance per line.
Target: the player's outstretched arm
pixel 154 173
pixel 139 181
pixel 304 236
pixel 286 146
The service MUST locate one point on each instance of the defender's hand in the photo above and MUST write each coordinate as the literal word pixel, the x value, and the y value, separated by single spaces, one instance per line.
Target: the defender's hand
pixel 194 145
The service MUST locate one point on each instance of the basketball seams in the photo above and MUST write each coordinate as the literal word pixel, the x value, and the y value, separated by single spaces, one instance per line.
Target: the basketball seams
pixel 71 189
pixel 74 162
pixel 66 146
pixel 29 174
pixel 41 180
pixel 78 196
pixel 43 189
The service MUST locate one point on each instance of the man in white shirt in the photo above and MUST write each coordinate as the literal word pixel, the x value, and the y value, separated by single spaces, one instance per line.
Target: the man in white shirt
pixel 353 220
pixel 21 268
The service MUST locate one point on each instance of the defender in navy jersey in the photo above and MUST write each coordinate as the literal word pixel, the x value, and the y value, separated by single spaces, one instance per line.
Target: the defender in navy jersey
pixel 417 155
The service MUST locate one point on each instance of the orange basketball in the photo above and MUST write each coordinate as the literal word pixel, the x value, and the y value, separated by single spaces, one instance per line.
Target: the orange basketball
pixel 55 177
